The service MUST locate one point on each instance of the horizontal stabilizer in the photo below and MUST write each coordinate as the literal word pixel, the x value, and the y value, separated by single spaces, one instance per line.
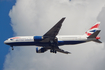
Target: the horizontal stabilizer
pixel 98 41
pixel 94 35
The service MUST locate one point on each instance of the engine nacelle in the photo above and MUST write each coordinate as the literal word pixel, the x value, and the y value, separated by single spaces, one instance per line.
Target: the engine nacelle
pixel 40 50
pixel 38 38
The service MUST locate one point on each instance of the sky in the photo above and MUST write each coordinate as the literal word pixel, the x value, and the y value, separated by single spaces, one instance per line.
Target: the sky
pixel 5 28
pixel 36 17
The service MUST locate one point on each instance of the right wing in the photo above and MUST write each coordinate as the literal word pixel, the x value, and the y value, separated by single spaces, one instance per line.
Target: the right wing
pixel 51 34
pixel 54 30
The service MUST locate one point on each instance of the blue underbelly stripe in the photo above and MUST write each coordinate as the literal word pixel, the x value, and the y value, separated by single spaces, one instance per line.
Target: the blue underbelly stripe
pixel 69 42
pixel 43 44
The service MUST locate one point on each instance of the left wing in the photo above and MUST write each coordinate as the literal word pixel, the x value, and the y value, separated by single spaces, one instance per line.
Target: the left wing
pixel 57 49
pixel 62 51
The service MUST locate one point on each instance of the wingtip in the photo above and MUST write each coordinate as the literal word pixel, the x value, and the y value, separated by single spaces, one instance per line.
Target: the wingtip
pixel 69 53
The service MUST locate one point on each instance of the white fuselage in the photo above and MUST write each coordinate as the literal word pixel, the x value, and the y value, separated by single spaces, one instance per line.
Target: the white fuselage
pixel 62 40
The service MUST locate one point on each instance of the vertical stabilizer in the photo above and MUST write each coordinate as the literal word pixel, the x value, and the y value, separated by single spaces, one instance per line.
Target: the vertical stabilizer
pixel 94 36
pixel 92 29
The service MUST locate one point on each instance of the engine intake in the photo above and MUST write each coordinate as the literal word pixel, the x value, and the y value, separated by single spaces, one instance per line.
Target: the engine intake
pixel 40 50
pixel 38 38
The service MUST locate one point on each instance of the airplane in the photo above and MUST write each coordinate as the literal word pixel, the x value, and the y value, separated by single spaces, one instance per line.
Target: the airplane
pixel 51 40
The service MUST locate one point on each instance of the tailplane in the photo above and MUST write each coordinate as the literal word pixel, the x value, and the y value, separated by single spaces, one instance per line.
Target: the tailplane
pixel 94 36
pixel 97 41
pixel 93 32
pixel 92 29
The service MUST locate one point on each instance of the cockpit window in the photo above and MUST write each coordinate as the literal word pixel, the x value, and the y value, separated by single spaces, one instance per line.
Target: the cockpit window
pixel 8 39
pixel 11 39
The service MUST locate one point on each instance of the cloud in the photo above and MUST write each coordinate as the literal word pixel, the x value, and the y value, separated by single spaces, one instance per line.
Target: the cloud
pixel 101 17
pixel 36 17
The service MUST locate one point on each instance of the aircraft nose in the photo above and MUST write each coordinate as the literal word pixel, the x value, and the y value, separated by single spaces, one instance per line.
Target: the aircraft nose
pixel 5 42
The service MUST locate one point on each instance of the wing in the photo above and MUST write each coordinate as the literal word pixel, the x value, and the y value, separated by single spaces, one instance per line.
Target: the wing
pixel 55 29
pixel 41 50
pixel 62 51
pixel 51 35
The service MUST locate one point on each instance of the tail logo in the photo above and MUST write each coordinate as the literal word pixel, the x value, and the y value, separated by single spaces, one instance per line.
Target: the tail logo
pixel 92 29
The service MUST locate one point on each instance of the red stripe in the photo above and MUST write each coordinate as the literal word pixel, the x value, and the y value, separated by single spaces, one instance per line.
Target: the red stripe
pixel 15 38
pixel 95 26
pixel 88 34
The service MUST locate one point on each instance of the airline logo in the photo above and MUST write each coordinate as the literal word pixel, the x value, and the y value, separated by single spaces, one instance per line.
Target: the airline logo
pixel 95 26
pixel 14 38
pixel 93 29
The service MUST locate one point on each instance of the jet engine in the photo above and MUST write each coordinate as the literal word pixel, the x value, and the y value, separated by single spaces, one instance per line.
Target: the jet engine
pixel 38 38
pixel 40 50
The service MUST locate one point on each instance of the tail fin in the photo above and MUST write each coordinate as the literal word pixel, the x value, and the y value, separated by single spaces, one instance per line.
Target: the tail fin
pixel 92 29
pixel 94 35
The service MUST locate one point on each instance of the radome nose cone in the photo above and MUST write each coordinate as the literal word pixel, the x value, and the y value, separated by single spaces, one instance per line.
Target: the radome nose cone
pixel 5 42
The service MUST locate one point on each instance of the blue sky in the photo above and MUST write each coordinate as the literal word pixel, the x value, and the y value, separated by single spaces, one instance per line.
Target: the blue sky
pixel 5 28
